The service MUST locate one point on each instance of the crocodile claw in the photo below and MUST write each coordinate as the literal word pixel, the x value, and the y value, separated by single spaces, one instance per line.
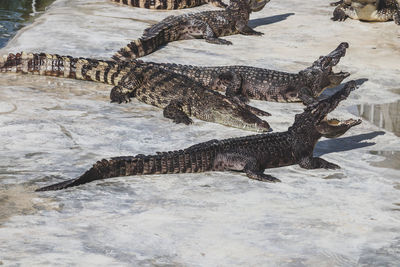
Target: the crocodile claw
pixel 117 95
pixel 339 15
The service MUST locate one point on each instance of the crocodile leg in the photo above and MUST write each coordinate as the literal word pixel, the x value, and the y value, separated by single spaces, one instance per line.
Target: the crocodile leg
pixel 175 112
pixel 126 88
pixel 196 28
pixel 259 176
pixel 231 83
pixel 234 88
pixel 343 11
pixel 121 94
pixel 244 29
pixel 317 163
pixel 210 36
pixel 255 173
pixel 246 164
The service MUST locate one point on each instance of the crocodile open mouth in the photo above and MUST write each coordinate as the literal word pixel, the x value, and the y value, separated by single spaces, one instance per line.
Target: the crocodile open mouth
pixel 332 128
pixel 333 79
pixel 336 78
pixel 335 122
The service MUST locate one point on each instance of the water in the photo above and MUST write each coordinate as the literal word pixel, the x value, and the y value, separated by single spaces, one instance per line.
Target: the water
pixel 384 115
pixel 14 14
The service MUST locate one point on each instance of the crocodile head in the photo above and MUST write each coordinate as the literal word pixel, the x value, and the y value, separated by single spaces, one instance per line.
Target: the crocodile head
pixel 230 113
pixel 250 5
pixel 320 76
pixel 313 122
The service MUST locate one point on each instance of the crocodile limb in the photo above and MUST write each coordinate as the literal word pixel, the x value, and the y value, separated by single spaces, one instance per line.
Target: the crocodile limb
pixel 367 10
pixel 179 96
pixel 170 4
pixel 209 25
pixel 249 154
pixel 269 85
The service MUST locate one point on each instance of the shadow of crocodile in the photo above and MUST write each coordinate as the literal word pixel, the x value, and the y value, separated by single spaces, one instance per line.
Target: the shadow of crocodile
pixel 346 143
pixel 330 91
pixel 268 20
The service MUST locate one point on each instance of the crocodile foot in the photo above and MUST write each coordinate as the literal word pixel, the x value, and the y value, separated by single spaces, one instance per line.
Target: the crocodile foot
pixel 182 119
pixel 317 163
pixel 256 33
pixel 175 112
pixel 119 94
pixel 330 165
pixel 339 15
pixel 219 41
pixel 262 177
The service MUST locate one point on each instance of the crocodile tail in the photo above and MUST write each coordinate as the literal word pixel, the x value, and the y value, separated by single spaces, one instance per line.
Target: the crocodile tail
pixel 153 37
pixel 63 66
pixel 182 161
pixel 140 48
pixel 161 4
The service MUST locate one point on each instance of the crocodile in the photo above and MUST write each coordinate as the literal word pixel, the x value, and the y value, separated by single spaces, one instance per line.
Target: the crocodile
pixel 169 4
pixel 179 96
pixel 264 84
pixel 249 154
pixel 209 25
pixel 367 10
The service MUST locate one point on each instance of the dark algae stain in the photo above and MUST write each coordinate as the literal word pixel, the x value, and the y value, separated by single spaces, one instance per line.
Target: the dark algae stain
pixel 15 14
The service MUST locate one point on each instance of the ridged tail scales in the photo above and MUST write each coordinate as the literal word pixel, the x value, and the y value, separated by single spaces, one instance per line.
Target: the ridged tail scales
pixel 181 161
pixel 64 66
pixel 160 34
pixel 161 4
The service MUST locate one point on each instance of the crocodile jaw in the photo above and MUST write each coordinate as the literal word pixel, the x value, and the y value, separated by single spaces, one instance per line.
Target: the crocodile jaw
pixel 332 128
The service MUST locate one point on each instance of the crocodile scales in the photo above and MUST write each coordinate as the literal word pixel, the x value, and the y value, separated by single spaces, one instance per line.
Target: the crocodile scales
pixel 209 25
pixel 169 4
pixel 179 96
pixel 367 10
pixel 250 154
pixel 264 84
